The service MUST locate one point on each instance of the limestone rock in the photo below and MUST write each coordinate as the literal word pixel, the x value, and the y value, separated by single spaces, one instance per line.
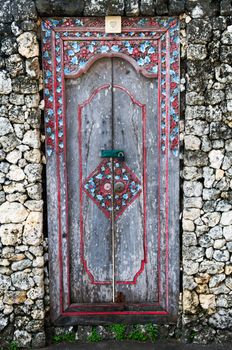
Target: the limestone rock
pixel 36 293
pixel 213 96
pixel 5 282
pixel 38 261
pixel 195 158
pixel 32 101
pixel 228 269
pixel 190 267
pixel 10 234
pixel 32 234
pixel 205 241
pixel 227 36
pixel 22 280
pixel 189 283
pixel 219 243
pixel 226 218
pixel 196 52
pixel 5 83
pixel 132 8
pixel 22 338
pixel 14 156
pixel 21 265
pixel 9 46
pixel 219 174
pixel 61 8
pixel 191 213
pixel 216 157
pixel 192 142
pixel 38 340
pixel 211 267
pixel 37 314
pixel 229 282
pixel 12 213
pixel 192 189
pixel 35 191
pixel 33 172
pixel 224 73
pixel 147 7
pixel 24 10
pixel 16 297
pixel 221 255
pixel 14 65
pixel 190 302
pixel 25 85
pixel 3 322
pixel 209 177
pixel 17 114
pixel 199 31
pixel 15 173
pixel 188 225
pixel 211 219
pixel 195 112
pixel 227 233
pixel 28 45
pixel 32 138
pixel 210 194
pixel 33 156
pixel 5 126
pixel 5 11
pixel 193 202
pixel 228 145
pixel 196 127
pixel 9 142
pixel 207 301
pixel 216 280
pixel 192 173
pixel 226 7
pixel 209 253
pixel 32 67
pixel 34 205
pixel 229 246
pixel 14 187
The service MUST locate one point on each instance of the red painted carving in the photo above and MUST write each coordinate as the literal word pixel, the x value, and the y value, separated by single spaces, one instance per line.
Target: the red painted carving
pixel 102 176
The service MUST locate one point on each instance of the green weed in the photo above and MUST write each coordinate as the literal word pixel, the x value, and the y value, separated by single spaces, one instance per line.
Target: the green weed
pixel 13 346
pixel 94 337
pixel 137 334
pixel 65 337
pixel 152 331
pixel 191 336
pixel 119 330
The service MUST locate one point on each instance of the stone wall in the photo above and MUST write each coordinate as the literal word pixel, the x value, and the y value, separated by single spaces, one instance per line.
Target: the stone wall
pixel 206 156
pixel 207 170
pixel 21 219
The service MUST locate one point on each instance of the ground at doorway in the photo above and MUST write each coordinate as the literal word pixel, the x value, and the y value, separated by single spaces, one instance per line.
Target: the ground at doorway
pixel 126 345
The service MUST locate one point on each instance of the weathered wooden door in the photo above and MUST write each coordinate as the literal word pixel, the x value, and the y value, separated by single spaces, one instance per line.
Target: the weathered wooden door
pixel 113 202
pixel 111 105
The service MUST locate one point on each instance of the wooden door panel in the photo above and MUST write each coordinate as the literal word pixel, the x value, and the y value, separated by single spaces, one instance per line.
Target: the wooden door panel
pixel 97 106
pixel 89 111
pixel 135 130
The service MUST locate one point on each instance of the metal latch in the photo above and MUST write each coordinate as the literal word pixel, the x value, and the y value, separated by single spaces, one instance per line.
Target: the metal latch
pixel 112 153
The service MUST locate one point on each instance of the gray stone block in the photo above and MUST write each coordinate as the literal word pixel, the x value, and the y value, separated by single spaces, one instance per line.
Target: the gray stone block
pixel 60 7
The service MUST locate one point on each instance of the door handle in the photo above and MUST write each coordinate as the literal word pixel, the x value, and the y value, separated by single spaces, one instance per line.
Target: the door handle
pixel 113 153
pixel 119 187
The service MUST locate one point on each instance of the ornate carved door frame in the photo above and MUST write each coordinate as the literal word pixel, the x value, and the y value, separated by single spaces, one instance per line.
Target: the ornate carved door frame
pixel 70 47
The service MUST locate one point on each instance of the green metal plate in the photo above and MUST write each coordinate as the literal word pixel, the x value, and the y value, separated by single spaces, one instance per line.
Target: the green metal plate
pixel 112 153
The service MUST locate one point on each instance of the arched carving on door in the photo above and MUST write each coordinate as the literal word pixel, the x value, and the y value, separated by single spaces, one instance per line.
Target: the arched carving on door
pixel 151 45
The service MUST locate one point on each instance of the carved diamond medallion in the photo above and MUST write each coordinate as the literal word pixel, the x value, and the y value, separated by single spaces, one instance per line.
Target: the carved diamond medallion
pixel 99 187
